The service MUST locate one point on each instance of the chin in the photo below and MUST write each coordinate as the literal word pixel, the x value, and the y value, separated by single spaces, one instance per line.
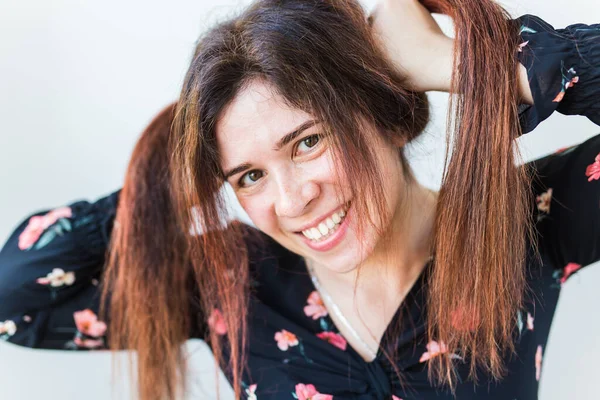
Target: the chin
pixel 349 255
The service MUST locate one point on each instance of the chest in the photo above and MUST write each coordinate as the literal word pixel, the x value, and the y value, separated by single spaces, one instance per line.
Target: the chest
pixel 362 324
pixel 298 345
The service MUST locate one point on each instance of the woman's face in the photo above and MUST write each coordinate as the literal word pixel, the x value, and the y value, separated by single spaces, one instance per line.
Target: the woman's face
pixel 282 170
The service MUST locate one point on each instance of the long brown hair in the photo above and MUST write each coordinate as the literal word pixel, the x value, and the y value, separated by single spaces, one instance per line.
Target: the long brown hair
pixel 149 250
pixel 321 57
pixel 483 220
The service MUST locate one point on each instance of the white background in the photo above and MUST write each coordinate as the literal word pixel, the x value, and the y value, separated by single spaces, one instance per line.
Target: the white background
pixel 79 80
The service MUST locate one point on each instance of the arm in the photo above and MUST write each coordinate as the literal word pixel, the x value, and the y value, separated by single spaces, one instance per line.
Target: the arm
pixel 567 207
pixel 50 269
pixel 416 45
pixel 557 69
pixel 562 69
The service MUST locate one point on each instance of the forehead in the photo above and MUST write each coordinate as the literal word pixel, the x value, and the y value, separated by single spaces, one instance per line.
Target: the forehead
pixel 254 121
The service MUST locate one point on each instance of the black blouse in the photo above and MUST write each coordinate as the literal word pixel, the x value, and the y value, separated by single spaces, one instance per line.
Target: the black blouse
pixel 50 267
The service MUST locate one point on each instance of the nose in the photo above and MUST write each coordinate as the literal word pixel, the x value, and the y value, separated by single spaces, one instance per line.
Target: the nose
pixel 294 193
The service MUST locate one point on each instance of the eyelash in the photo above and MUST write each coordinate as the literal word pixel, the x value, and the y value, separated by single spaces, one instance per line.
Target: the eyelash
pixel 240 183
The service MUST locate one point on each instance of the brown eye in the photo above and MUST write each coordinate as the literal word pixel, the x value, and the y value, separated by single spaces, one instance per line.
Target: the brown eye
pixel 250 178
pixel 311 140
pixel 254 175
pixel 308 143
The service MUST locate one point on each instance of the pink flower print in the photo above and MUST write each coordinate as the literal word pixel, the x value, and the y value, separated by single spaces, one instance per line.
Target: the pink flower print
pixel 57 278
pixel 38 224
pixel 568 270
pixel 334 339
pixel 88 343
pixel 593 170
pixel 559 97
pixel 7 329
pixel 433 349
pixel 520 49
pixel 285 340
pixel 56 214
pixel 543 201
pixel 315 308
pixel 567 84
pixel 309 392
pixel 31 233
pixel 396 398
pixel 561 149
pixel 90 330
pixel 538 363
pixel 251 392
pixel 87 323
pixel 529 321
pixel 573 81
pixel 217 322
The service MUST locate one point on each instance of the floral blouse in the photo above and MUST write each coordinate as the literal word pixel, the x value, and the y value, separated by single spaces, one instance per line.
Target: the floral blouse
pixel 50 268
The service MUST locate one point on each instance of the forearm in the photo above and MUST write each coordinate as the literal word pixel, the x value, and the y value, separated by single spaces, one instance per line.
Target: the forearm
pixel 437 76
pixel 524 88
pixel 420 50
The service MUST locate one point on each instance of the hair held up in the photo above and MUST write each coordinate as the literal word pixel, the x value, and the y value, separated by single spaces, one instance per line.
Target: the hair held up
pixel 321 57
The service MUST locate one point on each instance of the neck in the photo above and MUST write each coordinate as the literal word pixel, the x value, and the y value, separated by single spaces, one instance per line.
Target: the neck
pixel 399 257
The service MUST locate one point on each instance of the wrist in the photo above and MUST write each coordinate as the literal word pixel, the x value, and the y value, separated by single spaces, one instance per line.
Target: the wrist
pixel 433 71
pixel 524 88
pixel 441 65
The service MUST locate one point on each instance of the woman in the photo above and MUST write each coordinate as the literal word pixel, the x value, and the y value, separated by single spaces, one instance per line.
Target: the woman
pixel 337 294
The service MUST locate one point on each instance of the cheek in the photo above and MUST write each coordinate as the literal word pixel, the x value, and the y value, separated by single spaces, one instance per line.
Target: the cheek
pixel 261 213
pixel 325 171
pixel 260 207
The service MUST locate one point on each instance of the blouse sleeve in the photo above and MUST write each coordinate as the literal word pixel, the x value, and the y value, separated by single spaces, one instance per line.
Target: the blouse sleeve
pixel 567 209
pixel 49 275
pixel 563 68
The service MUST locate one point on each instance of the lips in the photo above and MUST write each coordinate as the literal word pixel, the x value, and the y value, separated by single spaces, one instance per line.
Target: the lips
pixel 333 236
pixel 325 228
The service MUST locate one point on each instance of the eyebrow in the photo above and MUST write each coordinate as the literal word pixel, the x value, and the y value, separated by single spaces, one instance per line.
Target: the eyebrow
pixel 294 134
pixel 285 140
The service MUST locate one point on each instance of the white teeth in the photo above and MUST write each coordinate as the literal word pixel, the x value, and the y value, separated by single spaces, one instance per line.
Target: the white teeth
pixel 315 233
pixel 325 228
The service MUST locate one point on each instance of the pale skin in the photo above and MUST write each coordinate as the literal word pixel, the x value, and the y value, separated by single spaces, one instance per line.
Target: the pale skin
pixel 285 188
pixel 415 43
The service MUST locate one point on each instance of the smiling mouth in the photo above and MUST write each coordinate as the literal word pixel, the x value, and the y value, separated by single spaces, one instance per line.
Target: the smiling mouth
pixel 327 227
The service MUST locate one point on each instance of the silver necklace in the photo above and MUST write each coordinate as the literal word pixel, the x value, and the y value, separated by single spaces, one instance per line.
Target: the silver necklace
pixel 371 353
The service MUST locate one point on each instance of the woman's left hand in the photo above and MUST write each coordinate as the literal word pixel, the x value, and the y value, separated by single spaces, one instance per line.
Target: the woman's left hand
pixel 418 48
pixel 414 42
